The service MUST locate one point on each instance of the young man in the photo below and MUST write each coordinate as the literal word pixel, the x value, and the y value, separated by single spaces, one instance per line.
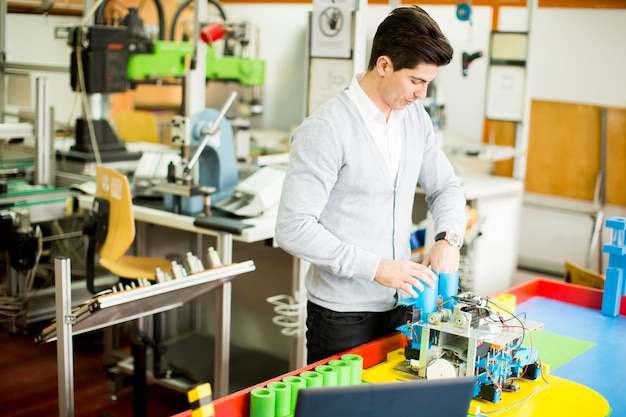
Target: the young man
pixel 347 199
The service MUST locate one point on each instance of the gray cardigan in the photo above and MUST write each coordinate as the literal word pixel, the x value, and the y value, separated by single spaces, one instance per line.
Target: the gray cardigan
pixel 340 211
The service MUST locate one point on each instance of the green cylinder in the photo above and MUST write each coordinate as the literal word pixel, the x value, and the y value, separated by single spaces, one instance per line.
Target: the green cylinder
pixel 329 375
pixel 262 402
pixel 312 378
pixel 296 383
pixel 283 398
pixel 356 367
pixel 344 371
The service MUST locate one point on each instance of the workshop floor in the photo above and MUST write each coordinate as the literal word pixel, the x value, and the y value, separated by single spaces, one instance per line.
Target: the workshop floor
pixel 29 385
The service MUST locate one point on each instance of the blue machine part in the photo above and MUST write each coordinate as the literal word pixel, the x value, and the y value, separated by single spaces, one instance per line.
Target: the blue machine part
pixel 217 165
pixel 429 301
pixel 448 287
pixel 426 301
pixel 496 366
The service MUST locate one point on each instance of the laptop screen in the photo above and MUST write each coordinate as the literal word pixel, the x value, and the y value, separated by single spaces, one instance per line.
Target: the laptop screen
pixel 449 397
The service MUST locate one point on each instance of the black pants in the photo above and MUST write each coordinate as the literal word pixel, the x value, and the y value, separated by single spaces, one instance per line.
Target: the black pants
pixel 330 332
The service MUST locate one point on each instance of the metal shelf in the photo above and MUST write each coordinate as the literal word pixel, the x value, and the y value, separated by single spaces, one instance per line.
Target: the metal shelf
pixel 115 308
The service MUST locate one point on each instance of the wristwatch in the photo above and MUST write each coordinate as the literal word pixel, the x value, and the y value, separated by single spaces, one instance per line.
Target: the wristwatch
pixel 453 238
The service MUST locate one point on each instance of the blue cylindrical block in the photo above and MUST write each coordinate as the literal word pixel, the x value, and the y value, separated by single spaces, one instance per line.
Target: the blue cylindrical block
pixel 427 300
pixel 448 287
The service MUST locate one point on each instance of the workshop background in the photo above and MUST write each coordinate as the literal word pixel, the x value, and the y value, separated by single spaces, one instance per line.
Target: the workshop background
pixel 574 115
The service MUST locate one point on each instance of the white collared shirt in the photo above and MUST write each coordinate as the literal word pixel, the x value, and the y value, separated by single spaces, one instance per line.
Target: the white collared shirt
pixel 386 134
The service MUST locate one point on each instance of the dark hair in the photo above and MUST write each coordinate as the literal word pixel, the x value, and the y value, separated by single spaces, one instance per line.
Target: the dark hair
pixel 409 37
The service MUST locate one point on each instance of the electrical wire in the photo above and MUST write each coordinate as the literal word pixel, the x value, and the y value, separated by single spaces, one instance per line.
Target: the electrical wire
pixel 86 107
pixel 91 12
pixel 182 6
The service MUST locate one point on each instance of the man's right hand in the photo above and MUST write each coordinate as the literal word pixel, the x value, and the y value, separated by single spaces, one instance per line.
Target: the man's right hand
pixel 404 275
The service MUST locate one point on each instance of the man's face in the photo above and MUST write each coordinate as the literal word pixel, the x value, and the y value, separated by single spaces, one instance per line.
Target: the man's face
pixel 402 88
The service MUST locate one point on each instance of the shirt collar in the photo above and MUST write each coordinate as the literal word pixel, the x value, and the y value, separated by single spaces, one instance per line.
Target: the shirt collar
pixel 366 106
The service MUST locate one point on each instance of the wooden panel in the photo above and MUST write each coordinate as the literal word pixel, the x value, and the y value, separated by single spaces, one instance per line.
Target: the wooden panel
pixel 502 133
pixel 616 157
pixel 564 151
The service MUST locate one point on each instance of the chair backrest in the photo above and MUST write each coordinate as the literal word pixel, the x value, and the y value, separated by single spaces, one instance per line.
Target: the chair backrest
pixel 114 187
pixel 579 275
pixel 137 126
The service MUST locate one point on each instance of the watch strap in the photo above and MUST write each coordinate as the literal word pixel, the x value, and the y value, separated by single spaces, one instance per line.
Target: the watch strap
pixel 453 238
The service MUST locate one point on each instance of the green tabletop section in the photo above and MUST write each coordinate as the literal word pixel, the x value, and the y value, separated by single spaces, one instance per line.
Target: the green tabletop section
pixel 555 349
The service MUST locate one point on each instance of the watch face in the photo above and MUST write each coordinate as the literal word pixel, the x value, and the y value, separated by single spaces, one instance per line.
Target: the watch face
pixel 454 239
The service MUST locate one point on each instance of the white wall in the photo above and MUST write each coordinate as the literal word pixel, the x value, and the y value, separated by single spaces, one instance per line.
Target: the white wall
pixel 576 55
pixel 30 40
pixel 283 46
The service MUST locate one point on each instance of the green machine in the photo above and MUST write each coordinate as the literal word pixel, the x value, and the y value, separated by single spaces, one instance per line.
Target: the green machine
pixel 109 59
pixel 170 59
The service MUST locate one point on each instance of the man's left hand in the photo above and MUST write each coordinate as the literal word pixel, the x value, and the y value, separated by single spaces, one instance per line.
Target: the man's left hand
pixel 442 257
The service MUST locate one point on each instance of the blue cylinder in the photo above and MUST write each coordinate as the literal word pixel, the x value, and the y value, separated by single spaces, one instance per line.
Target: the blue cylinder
pixel 448 287
pixel 427 299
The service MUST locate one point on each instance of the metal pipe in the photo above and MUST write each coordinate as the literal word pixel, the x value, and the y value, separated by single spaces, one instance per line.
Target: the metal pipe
pixel 223 315
pixel 3 25
pixel 43 137
pixel 20 68
pixel 98 103
pixel 65 353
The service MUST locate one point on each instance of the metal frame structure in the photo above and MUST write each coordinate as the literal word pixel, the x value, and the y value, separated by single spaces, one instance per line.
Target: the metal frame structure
pixel 110 309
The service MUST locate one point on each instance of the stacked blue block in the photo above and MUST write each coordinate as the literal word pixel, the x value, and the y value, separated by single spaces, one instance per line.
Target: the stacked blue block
pixel 615 277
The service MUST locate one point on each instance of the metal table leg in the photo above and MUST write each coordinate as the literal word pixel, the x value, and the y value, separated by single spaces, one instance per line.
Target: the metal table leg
pixel 222 329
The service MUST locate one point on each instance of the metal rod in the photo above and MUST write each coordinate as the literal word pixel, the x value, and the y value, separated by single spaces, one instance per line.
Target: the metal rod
pixel 223 315
pixel 60 236
pixel 19 68
pixel 43 137
pixel 603 168
pixel 211 131
pixel 3 25
pixel 65 352
pixel 603 151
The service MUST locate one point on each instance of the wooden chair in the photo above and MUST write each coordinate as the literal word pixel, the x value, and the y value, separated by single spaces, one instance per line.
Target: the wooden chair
pixel 578 275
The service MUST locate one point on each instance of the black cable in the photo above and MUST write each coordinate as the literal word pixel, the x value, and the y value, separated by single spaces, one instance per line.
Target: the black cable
pixel 184 5
pixel 99 16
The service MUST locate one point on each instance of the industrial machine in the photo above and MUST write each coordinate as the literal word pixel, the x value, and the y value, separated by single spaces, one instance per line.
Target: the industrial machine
pixel 454 334
pixel 212 136
pixel 24 246
pixel 110 58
